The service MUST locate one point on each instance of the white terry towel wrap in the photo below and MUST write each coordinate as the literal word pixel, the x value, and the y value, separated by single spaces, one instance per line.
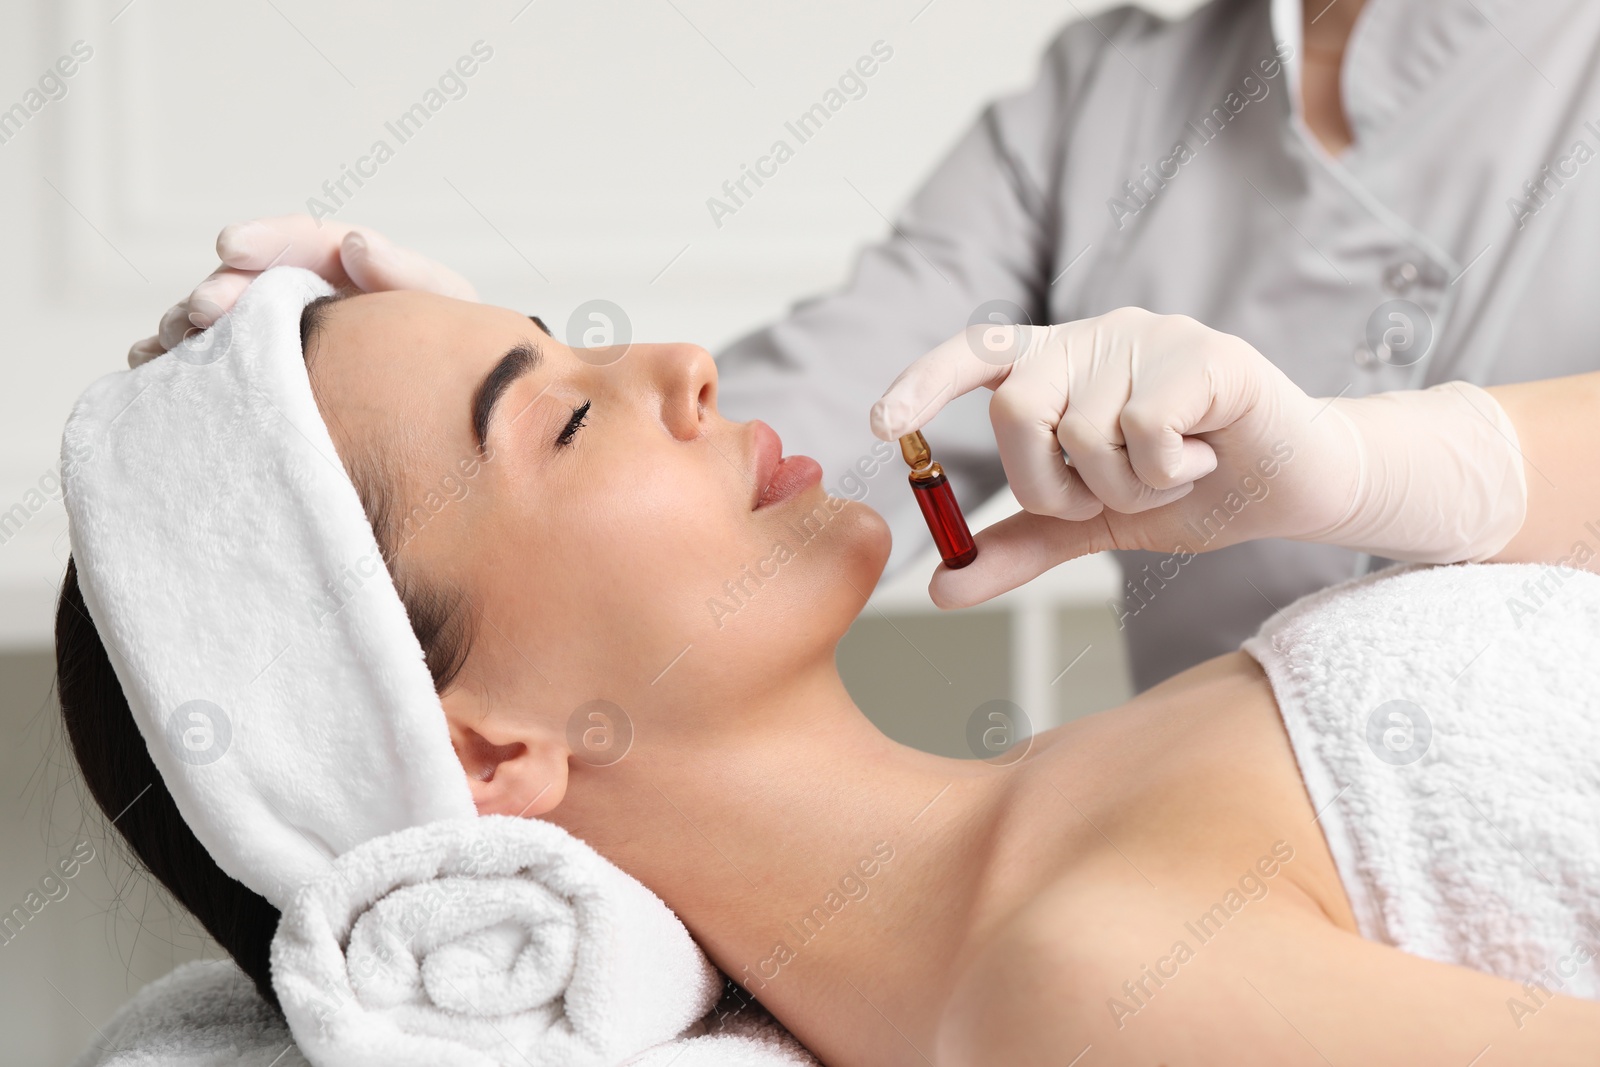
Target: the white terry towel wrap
pixel 1446 721
pixel 237 586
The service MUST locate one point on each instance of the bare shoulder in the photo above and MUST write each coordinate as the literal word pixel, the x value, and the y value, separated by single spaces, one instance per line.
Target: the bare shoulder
pixel 1118 977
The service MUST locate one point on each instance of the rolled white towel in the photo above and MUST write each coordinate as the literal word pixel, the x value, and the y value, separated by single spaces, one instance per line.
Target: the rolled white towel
pixel 496 940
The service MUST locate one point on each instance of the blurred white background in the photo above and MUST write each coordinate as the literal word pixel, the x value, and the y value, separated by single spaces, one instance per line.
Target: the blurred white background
pixel 576 165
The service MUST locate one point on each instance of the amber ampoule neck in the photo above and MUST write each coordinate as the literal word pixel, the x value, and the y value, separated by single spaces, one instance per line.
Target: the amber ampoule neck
pixel 914 449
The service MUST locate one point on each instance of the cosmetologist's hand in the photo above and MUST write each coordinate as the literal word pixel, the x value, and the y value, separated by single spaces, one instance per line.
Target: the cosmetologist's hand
pixel 1183 440
pixel 340 253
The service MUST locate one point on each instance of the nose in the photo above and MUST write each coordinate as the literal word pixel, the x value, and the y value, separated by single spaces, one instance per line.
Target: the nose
pixel 686 381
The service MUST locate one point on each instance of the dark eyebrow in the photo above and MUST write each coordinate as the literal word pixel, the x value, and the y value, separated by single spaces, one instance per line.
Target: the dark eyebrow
pixel 520 359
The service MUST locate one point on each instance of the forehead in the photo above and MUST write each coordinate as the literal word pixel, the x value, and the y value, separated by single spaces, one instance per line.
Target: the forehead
pixel 411 333
pixel 402 366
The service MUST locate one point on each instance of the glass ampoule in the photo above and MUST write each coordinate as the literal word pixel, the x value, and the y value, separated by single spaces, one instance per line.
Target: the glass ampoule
pixel 937 499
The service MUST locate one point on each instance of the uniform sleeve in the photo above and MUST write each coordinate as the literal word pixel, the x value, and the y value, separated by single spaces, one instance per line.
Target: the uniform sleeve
pixel 980 229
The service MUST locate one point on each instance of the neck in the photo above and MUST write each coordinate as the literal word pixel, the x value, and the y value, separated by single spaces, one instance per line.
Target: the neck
pixel 806 852
pixel 1326 25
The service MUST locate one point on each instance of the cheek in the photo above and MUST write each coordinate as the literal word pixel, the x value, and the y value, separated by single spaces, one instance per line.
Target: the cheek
pixel 661 538
pixel 631 553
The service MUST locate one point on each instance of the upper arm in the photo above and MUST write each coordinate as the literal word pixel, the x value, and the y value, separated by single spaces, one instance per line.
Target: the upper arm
pixel 1277 988
pixel 1558 432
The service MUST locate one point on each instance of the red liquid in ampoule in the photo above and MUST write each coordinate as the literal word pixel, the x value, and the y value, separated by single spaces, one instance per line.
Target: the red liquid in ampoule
pixel 945 521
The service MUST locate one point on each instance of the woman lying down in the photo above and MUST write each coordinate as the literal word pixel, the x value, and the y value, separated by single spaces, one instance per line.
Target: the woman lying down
pixel 1369 837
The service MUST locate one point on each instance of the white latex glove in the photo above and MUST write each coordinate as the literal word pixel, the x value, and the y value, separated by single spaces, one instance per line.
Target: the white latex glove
pixel 1183 440
pixel 340 253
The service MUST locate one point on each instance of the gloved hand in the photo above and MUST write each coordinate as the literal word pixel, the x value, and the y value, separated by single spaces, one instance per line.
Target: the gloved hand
pixel 342 254
pixel 1183 440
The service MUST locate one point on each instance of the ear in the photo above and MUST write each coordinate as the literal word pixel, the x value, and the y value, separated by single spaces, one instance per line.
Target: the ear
pixel 514 769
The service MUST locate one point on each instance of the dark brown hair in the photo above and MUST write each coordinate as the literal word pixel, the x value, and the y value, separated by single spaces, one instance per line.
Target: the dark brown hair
pixel 116 764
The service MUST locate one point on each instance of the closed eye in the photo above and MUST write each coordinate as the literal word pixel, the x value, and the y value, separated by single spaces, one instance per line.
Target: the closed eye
pixel 578 415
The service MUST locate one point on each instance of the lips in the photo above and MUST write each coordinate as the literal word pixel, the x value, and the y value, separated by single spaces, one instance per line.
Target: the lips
pixel 776 476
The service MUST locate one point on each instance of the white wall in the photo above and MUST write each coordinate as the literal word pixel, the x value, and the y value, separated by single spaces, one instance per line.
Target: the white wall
pixel 577 165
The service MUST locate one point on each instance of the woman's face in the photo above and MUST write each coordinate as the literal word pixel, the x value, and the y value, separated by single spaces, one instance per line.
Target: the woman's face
pixel 615 537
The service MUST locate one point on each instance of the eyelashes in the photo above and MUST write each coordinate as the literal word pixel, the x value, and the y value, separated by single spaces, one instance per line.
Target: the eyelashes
pixel 579 414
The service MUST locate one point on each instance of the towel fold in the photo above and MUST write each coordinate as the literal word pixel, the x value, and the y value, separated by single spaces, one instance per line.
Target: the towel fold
pixel 496 941
pixel 1446 721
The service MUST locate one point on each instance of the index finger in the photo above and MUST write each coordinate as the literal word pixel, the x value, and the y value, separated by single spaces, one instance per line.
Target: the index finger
pixel 980 355
pixel 283 240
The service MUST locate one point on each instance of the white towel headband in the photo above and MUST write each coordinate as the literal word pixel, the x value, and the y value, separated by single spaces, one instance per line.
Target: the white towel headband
pixel 238 588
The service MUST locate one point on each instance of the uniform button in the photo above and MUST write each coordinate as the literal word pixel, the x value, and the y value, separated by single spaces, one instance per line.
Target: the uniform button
pixel 1363 356
pixel 1398 278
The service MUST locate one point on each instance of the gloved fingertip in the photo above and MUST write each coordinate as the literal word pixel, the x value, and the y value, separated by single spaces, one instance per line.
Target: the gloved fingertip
pixel 144 351
pixel 369 261
pixel 203 312
pixel 174 324
pixel 240 241
pixel 364 242
pixel 875 422
pixel 940 595
pixel 890 418
pixel 951 593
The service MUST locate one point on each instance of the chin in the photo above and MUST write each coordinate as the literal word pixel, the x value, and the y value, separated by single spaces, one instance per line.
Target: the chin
pixel 795 606
pixel 866 550
pixel 846 562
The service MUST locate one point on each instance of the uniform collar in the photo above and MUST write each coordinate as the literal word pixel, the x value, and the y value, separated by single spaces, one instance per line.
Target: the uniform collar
pixel 1397 49
pixel 1286 27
